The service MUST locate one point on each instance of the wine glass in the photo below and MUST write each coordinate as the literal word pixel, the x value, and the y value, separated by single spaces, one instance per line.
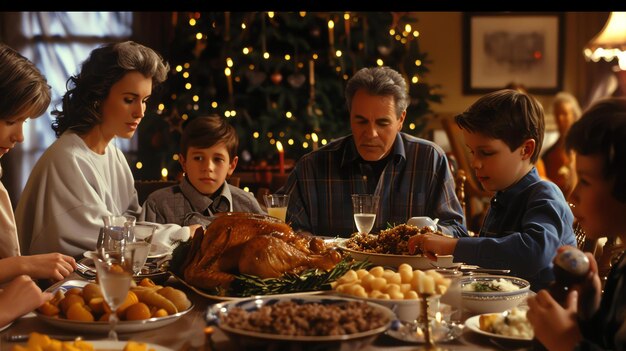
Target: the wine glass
pixel 364 207
pixel 138 247
pixel 114 273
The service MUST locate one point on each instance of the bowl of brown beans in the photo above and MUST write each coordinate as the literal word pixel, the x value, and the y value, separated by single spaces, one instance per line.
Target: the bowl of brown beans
pixel 301 323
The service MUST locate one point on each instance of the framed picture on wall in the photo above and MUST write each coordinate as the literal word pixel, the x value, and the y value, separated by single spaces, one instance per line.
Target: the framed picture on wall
pixel 512 48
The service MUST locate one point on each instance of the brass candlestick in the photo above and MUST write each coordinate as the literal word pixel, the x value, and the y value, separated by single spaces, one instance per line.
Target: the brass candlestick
pixel 424 320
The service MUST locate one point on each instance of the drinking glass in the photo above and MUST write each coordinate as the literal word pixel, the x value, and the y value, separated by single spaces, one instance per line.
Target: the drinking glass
pixel 139 244
pixel 277 205
pixel 115 232
pixel 114 276
pixel 452 296
pixel 364 207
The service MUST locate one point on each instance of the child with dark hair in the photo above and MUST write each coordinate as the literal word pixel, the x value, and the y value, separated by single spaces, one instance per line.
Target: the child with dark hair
pixel 528 217
pixel 208 155
pixel 592 320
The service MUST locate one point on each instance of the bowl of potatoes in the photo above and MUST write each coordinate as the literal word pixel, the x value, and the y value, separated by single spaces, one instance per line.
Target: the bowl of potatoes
pixel 400 290
pixel 78 305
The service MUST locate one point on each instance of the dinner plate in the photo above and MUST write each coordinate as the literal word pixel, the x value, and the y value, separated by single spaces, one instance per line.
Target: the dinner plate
pixel 158 276
pixel 103 327
pixel 473 324
pixel 110 345
pixel 158 251
pixel 416 261
pixel 238 298
pixel 6 326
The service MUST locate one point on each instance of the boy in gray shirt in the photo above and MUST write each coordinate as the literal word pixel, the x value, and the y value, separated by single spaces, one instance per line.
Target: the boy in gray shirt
pixel 208 155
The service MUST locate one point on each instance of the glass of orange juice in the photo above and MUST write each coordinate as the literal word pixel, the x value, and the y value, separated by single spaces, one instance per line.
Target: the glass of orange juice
pixel 277 205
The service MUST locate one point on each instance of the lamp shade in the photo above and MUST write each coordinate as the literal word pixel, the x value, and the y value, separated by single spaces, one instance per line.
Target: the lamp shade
pixel 610 43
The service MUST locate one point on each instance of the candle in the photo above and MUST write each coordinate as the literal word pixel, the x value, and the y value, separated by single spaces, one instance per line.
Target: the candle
pixel 229 80
pixel 314 138
pixel 347 29
pixel 312 72
pixel 281 158
pixel 331 33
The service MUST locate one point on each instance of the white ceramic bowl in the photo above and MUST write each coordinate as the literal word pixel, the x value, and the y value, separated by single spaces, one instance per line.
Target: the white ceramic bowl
pixel 248 339
pixel 480 302
pixel 409 310
pixel 423 222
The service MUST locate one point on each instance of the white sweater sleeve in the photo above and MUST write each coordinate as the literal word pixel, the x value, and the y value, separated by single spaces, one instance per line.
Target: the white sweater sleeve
pixel 67 194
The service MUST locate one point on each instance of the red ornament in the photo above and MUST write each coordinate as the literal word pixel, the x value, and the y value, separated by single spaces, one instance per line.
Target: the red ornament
pixel 276 78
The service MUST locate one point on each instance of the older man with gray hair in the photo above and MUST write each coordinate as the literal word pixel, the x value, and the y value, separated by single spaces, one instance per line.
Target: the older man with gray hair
pixel 410 175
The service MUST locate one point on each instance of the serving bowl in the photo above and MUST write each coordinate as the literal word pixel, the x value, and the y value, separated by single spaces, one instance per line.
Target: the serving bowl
pixel 408 310
pixel 488 301
pixel 389 260
pixel 218 315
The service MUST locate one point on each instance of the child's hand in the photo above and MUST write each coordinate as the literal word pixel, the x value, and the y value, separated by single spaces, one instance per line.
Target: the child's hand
pixel 53 266
pixel 19 297
pixel 589 290
pixel 193 228
pixel 431 245
pixel 556 327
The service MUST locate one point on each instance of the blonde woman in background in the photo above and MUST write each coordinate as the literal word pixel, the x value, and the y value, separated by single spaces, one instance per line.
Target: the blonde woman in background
pixel 559 162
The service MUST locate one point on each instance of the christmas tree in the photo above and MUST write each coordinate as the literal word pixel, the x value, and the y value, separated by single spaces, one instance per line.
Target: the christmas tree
pixel 279 78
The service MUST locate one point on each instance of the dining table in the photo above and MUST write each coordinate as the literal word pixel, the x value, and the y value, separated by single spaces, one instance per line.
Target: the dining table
pixel 190 332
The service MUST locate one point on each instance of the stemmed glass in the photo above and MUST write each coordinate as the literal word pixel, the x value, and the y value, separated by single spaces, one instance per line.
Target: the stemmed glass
pixel 114 273
pixel 139 244
pixel 364 207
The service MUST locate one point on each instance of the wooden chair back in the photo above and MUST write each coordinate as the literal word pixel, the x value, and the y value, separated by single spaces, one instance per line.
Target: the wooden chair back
pixel 471 186
pixel 259 196
pixel 234 181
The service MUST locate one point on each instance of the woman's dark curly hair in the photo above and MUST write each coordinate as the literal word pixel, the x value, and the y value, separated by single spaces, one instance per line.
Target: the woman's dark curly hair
pixel 104 67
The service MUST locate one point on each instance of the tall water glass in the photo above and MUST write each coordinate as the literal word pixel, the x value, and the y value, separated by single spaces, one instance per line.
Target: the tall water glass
pixel 115 232
pixel 364 207
pixel 114 277
pixel 277 205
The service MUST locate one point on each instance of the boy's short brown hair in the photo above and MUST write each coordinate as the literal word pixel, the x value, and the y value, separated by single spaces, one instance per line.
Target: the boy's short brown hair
pixel 508 115
pixel 206 131
pixel 602 131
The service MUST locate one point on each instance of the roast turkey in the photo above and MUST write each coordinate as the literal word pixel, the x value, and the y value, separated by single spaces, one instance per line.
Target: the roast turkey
pixel 252 244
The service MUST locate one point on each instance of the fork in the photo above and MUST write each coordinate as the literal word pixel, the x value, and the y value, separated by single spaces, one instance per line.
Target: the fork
pixel 85 271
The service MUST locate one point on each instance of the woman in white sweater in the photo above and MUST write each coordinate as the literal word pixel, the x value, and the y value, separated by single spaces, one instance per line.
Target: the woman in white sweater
pixel 24 94
pixel 83 176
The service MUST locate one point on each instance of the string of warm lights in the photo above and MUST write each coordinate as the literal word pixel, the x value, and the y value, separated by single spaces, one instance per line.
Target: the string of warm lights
pixel 252 65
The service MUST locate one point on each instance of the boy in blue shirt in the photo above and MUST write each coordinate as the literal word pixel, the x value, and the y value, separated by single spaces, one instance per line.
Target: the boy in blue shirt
pixel 528 218
pixel 208 155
